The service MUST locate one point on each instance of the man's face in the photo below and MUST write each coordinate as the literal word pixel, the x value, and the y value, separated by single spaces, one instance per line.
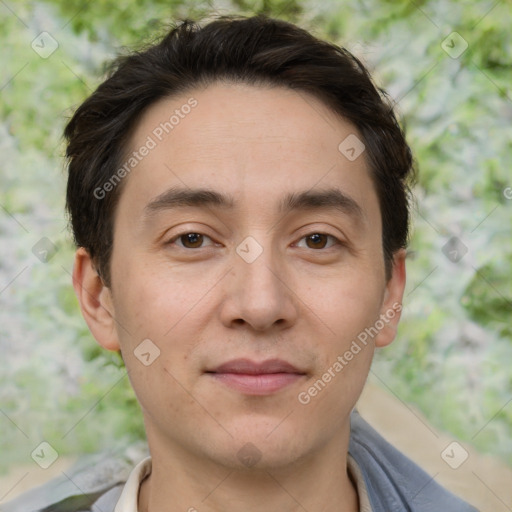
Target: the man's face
pixel 281 261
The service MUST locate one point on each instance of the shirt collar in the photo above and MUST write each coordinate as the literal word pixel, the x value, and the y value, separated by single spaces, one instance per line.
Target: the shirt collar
pixel 128 501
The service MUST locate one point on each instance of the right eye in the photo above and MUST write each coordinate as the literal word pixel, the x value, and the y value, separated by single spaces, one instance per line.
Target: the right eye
pixel 190 240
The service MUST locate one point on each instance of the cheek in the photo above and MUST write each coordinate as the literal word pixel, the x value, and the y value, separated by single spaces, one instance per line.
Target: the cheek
pixel 347 306
pixel 168 308
pixel 345 351
pixel 161 393
pixel 152 300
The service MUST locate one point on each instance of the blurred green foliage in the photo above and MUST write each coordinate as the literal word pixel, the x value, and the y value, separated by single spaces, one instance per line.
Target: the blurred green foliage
pixel 453 354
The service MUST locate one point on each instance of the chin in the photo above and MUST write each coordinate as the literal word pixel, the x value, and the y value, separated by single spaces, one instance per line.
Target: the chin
pixel 264 444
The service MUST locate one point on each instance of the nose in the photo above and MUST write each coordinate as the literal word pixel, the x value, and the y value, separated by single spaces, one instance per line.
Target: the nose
pixel 259 294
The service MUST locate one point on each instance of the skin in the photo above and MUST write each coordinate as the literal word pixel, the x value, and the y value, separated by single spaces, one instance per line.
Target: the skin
pixel 204 306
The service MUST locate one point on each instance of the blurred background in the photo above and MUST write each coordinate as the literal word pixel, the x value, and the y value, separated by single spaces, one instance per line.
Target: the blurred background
pixel 447 378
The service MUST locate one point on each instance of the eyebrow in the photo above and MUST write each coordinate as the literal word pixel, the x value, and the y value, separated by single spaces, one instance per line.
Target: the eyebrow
pixel 176 197
pixel 331 198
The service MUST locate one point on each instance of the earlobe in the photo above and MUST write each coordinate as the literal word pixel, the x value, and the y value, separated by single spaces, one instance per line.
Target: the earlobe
pixel 95 300
pixel 392 304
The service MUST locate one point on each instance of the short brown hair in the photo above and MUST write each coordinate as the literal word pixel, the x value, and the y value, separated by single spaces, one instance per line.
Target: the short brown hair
pixel 254 50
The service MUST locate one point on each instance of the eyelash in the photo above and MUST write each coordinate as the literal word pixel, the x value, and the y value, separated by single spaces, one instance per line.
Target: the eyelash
pixel 337 241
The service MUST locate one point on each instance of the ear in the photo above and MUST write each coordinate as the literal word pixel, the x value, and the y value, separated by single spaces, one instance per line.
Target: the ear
pixel 391 309
pixel 95 300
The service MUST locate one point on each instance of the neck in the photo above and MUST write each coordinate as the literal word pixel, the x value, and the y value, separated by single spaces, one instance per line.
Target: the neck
pixel 320 482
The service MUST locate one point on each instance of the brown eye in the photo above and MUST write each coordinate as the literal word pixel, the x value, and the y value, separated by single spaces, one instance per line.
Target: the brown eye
pixel 192 240
pixel 317 240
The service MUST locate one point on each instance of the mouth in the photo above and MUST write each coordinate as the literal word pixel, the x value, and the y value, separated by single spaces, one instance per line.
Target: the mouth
pixel 256 378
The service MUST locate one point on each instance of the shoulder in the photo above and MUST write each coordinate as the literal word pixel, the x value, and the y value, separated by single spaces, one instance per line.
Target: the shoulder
pixel 394 482
pixel 93 484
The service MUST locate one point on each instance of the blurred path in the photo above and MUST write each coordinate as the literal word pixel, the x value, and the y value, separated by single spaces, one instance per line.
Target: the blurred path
pixel 483 481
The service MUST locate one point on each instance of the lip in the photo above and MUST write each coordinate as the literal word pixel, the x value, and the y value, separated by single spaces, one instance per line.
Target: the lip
pixel 256 378
pixel 248 367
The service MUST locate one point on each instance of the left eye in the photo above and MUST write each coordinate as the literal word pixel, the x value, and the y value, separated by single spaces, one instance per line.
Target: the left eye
pixel 318 241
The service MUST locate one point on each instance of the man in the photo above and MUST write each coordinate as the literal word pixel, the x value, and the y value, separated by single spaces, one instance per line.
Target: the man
pixel 238 196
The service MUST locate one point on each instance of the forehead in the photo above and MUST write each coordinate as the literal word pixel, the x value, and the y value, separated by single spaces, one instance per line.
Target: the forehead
pixel 252 142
